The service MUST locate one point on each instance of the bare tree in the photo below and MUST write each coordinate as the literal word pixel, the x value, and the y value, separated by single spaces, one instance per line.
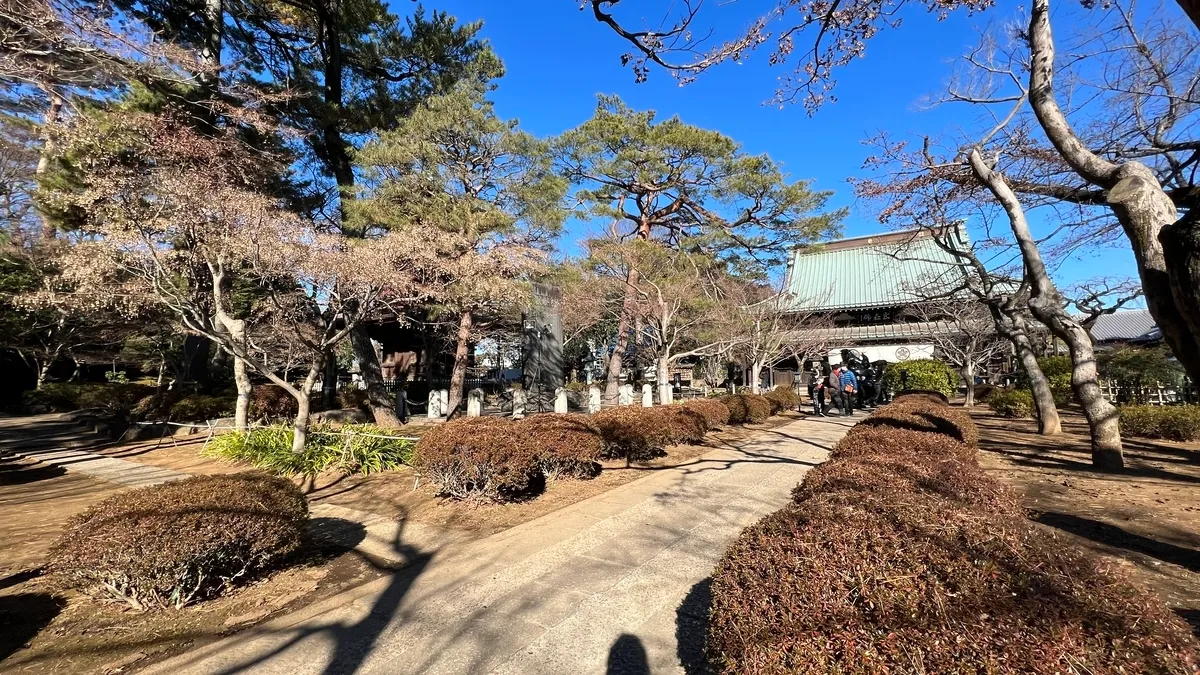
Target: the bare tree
pixel 973 341
pixel 772 325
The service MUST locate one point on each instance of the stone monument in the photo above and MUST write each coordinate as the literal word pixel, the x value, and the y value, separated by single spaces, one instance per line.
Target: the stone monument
pixel 518 410
pixel 434 409
pixel 594 399
pixel 647 395
pixel 560 400
pixel 475 403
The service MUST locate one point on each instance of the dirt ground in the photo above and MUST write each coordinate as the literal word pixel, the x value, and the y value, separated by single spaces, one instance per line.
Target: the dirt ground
pixel 1147 516
pixel 46 629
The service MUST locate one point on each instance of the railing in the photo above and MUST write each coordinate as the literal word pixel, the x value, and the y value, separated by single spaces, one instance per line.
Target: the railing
pixel 1149 394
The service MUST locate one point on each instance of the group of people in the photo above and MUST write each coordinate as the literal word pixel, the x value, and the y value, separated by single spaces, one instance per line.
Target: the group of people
pixel 840 387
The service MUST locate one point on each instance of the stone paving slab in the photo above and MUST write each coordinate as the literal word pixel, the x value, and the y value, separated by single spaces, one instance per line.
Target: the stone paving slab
pixel 615 583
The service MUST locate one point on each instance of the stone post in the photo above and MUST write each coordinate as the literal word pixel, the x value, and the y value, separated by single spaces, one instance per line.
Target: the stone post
pixel 475 403
pixel 625 394
pixel 594 399
pixel 434 410
pixel 445 395
pixel 647 396
pixel 560 400
pixel 518 411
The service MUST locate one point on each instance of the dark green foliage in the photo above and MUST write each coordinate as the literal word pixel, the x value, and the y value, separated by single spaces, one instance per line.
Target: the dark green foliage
pixel 1017 403
pixel 1057 370
pixel 746 408
pixel 1169 422
pixel 922 374
pixel 176 543
pixel 201 408
pixel 347 449
pixel 112 398
pixel 1147 366
pixel 900 555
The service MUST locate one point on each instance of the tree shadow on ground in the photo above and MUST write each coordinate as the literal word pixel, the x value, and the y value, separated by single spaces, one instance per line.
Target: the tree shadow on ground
pixel 627 656
pixel 691 628
pixel 352 642
pixel 23 616
pixel 1192 616
pixel 19 473
pixel 1111 535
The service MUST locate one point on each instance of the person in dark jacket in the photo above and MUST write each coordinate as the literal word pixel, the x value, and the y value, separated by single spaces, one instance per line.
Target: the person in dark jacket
pixel 849 387
pixel 816 391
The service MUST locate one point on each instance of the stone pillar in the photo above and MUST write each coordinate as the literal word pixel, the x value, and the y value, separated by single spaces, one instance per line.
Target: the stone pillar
pixel 647 396
pixel 625 394
pixel 475 403
pixel 594 399
pixel 560 400
pixel 518 411
pixel 445 395
pixel 434 410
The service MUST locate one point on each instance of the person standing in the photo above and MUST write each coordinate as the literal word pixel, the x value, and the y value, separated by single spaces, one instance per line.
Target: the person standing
pixel 833 388
pixel 849 387
pixel 816 391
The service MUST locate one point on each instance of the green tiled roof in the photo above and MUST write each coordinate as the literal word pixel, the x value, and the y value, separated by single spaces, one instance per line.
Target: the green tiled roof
pixel 875 271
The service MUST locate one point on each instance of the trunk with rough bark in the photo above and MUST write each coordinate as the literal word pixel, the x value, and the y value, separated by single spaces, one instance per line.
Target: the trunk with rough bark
pixel 612 371
pixel 1039 385
pixel 752 374
pixel 968 375
pixel 43 369
pixel 462 354
pixel 49 229
pixel 303 396
pixel 382 403
pixel 1047 305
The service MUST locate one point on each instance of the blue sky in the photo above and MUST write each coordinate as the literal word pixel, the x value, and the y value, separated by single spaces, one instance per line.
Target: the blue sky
pixel 558 58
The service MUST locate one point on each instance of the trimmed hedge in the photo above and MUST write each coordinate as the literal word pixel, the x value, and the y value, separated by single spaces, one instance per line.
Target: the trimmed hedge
pixel 746 408
pixel 183 541
pixel 782 398
pixel 915 583
pixel 923 413
pixel 567 445
pixel 272 402
pixel 1172 423
pixel 1016 403
pixel 715 413
pixel 479 458
pixel 900 555
pixel 632 432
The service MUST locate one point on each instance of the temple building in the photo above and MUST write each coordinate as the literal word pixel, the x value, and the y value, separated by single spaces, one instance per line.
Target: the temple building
pixel 864 285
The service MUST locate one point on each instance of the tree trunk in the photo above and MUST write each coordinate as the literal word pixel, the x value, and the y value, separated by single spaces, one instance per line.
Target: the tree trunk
pixel 381 402
pixel 241 375
pixel 968 375
pixel 303 396
pixel 462 353
pixel 662 372
pixel 210 49
pixel 752 375
pixel 612 373
pixel 49 230
pixel 1039 385
pixel 42 371
pixel 1047 305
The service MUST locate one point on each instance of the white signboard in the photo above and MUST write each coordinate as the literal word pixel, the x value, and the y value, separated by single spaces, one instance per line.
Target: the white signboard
pixel 889 353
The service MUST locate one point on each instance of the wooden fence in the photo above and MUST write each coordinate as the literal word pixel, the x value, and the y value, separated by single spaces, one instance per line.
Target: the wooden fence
pixel 1150 394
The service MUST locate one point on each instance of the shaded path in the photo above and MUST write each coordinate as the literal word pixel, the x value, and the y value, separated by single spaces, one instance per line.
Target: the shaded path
pixel 615 583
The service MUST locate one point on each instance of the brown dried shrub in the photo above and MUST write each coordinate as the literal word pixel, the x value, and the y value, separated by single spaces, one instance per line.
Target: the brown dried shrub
pixel 864 439
pixel 183 541
pixel 897 469
pixel 479 458
pixel 909 582
pixel 716 414
pixel 272 402
pixel 782 398
pixel 921 413
pixel 746 408
pixel 567 445
pixel 684 425
pixel 632 432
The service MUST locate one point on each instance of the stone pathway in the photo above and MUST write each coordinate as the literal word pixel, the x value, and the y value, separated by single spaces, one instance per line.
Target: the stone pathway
pixel 617 583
